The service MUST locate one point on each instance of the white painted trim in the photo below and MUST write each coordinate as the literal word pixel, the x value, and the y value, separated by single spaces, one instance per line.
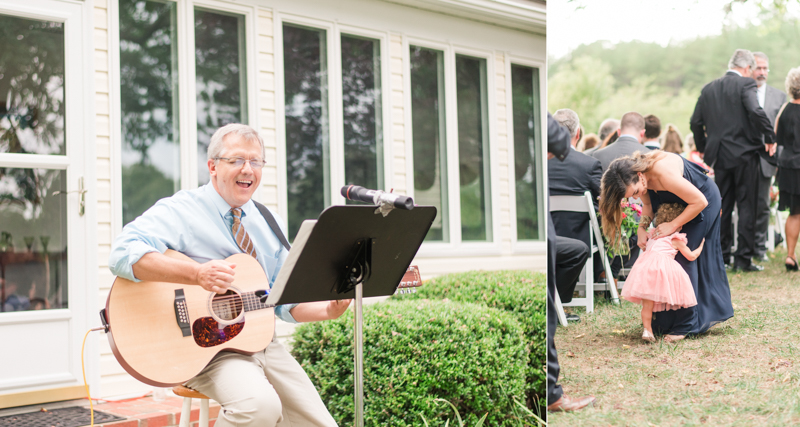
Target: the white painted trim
pixel 15 160
pixel 280 118
pixel 187 95
pixel 408 128
pixel 115 119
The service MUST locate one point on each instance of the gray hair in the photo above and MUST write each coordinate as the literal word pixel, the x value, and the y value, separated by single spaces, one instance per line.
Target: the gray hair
pixel 608 126
pixel 569 119
pixel 742 58
pixel 246 132
pixel 761 55
pixel 793 83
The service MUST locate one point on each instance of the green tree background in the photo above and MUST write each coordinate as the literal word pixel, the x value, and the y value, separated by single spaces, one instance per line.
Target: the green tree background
pixel 601 80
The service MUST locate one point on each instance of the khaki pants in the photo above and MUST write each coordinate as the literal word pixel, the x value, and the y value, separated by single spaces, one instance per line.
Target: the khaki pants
pixel 266 389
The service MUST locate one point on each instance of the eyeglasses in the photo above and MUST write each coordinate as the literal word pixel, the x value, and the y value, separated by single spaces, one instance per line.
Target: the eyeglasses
pixel 239 162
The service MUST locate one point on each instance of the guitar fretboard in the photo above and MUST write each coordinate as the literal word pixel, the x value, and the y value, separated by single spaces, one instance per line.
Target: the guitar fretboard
pixel 253 302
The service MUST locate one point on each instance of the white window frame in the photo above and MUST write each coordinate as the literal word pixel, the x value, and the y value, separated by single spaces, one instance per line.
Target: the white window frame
pixel 187 114
pixel 456 247
pixel 333 37
pixel 540 245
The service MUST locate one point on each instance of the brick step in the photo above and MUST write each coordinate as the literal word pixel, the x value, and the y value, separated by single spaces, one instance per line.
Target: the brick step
pixel 147 412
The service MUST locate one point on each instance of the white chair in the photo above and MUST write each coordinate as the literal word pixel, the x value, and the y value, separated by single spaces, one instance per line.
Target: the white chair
pixel 585 204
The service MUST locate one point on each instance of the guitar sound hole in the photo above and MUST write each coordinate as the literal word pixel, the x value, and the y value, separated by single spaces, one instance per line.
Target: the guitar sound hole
pixel 227 306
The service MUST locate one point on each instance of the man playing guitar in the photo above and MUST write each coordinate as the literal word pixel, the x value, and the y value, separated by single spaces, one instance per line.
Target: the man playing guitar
pixel 268 388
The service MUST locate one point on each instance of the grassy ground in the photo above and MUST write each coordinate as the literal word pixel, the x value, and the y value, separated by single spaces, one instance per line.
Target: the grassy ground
pixel 744 372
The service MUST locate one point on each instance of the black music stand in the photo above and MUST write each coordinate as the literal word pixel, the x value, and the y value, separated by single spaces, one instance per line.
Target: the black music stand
pixel 352 252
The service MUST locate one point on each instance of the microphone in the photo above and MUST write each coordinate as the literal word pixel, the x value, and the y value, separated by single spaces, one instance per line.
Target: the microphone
pixel 377 197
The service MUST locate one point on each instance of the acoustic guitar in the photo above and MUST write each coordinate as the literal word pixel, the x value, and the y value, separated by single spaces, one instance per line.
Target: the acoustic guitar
pixel 163 334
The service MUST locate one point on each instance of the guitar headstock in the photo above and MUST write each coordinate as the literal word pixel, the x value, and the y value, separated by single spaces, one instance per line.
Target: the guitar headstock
pixel 411 280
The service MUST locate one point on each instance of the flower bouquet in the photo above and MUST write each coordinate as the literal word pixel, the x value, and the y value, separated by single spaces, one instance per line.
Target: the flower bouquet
pixel 631 215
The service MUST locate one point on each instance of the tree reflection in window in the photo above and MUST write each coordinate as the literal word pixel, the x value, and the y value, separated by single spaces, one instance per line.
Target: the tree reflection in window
pixel 306 99
pixel 428 134
pixel 149 98
pixel 361 99
pixel 31 86
pixel 473 148
pixel 220 78
pixel 525 101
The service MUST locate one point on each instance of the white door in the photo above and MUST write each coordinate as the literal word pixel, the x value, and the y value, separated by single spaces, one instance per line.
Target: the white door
pixel 45 129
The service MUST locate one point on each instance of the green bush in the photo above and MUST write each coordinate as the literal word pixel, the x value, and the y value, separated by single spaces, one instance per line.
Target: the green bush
pixel 522 293
pixel 414 352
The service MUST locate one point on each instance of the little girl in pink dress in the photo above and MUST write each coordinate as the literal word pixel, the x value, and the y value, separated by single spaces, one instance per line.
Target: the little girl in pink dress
pixel 657 281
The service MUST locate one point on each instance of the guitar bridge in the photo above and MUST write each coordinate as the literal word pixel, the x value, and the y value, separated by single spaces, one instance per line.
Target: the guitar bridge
pixel 182 313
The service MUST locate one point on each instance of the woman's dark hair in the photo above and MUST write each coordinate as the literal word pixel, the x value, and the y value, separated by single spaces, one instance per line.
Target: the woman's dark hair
pixel 621 174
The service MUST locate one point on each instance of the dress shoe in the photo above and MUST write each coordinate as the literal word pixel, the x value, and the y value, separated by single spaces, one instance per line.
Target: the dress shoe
pixel 573 317
pixel 747 268
pixel 568 404
pixel 648 336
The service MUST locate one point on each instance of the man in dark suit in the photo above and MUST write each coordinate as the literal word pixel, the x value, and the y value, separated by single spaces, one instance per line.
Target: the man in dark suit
pixel 558 147
pixel 631 134
pixel 575 175
pixel 728 125
pixel 771 100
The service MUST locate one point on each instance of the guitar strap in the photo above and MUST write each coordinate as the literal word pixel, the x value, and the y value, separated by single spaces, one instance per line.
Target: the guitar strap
pixel 273 224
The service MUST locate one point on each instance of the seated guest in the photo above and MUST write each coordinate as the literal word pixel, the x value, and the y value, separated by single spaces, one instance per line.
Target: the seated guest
pixel 574 176
pixel 652 130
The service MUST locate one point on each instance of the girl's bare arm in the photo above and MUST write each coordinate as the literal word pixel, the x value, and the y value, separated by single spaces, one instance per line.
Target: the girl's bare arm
pixel 691 255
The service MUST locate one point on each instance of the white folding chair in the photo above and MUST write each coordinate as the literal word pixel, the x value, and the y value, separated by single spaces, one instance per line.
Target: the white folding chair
pixel 585 204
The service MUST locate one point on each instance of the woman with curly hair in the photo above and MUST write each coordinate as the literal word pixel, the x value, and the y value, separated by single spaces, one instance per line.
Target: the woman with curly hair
pixel 787 128
pixel 656 178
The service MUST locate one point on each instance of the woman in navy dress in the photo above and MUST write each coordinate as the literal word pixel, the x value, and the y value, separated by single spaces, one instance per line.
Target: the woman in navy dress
pixel 658 177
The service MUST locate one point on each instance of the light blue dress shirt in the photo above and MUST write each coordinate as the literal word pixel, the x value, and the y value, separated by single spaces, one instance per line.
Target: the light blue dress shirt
pixel 198 223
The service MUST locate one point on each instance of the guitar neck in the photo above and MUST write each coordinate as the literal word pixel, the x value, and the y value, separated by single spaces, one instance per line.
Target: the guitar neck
pixel 252 302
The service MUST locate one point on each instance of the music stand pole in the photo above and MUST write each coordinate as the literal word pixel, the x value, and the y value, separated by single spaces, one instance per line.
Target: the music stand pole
pixel 359 358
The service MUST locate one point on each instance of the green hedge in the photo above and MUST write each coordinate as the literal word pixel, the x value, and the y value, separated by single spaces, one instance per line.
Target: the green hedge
pixel 416 351
pixel 522 293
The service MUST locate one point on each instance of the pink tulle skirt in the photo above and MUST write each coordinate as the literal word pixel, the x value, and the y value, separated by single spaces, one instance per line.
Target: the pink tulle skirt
pixel 657 277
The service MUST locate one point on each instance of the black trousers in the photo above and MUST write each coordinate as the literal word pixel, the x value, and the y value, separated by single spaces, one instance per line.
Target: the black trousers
pixel 739 186
pixel 571 255
pixel 554 391
pixel 762 212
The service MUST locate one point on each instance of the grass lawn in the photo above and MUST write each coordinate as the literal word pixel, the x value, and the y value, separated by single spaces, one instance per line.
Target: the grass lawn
pixel 743 372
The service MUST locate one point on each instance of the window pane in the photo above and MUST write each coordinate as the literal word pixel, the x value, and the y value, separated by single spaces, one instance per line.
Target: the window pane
pixel 33 239
pixel 31 86
pixel 428 133
pixel 525 107
pixel 306 101
pixel 221 82
pixel 361 99
pixel 149 98
pixel 473 148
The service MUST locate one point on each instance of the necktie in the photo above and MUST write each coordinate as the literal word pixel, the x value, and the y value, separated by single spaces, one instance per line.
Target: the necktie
pixel 241 237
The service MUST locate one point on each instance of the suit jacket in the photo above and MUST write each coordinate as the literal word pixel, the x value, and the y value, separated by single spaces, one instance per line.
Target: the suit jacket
pixel 773 100
pixel 728 123
pixel 624 146
pixel 572 177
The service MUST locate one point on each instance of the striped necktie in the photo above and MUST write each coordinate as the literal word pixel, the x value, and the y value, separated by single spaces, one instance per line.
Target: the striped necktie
pixel 241 237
